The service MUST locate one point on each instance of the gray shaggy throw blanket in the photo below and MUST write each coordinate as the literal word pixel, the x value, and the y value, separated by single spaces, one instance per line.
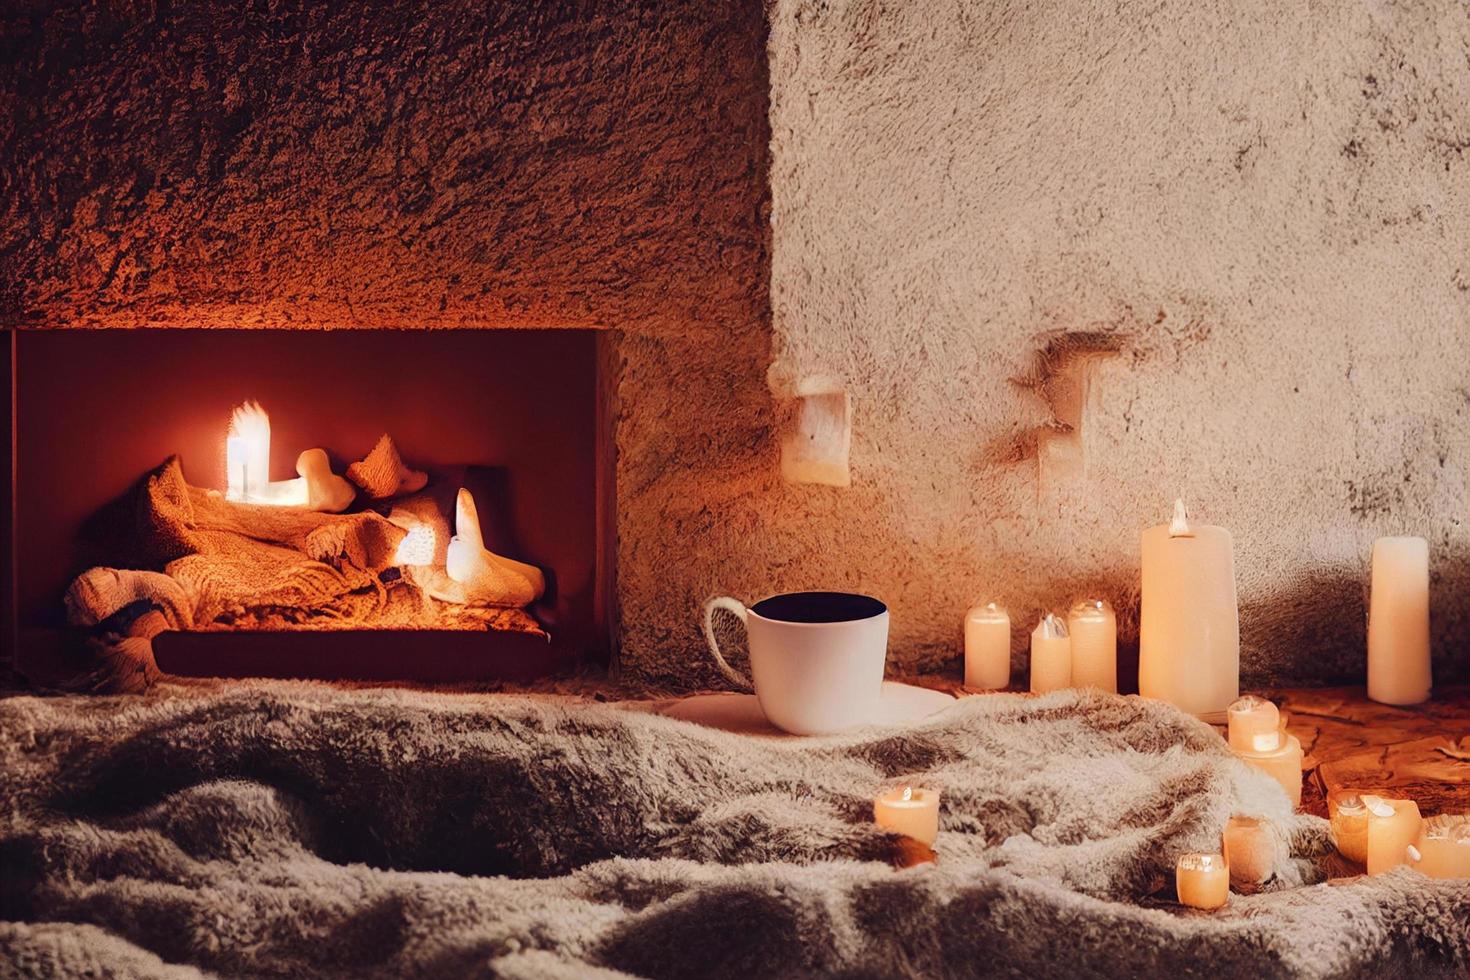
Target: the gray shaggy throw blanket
pixel 283 830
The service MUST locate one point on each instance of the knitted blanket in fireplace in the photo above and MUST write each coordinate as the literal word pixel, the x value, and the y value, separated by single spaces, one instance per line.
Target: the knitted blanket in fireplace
pixel 287 829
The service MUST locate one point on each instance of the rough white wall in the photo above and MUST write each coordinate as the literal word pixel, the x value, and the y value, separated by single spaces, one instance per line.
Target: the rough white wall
pixel 1244 225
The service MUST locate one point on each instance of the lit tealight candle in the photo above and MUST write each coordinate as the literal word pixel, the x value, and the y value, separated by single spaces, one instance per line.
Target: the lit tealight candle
pixel 987 647
pixel 1094 631
pixel 1254 725
pixel 1051 655
pixel 910 811
pixel 1392 826
pixel 1398 622
pixel 1349 821
pixel 1443 848
pixel 1202 880
pixel 1250 850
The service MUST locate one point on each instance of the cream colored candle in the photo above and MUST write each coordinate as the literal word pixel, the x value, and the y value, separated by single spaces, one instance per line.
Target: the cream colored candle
pixel 1349 821
pixel 987 647
pixel 1051 655
pixel 1392 826
pixel 1254 725
pixel 909 811
pixel 1202 880
pixel 1398 622
pixel 1443 848
pixel 1094 632
pixel 1250 850
pixel 1283 765
pixel 1189 629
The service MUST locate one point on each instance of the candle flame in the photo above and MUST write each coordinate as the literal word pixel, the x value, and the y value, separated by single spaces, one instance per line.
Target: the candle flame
pixel 908 793
pixel 248 451
pixel 250 422
pixel 1179 526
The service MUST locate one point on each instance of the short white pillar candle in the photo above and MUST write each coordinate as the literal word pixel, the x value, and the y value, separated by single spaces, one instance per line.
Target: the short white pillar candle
pixel 1202 880
pixel 1094 630
pixel 987 647
pixel 910 811
pixel 1443 848
pixel 1254 725
pixel 1392 826
pixel 1398 622
pixel 1051 655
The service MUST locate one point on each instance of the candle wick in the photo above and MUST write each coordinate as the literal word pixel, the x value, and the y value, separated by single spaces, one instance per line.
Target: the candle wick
pixel 1179 526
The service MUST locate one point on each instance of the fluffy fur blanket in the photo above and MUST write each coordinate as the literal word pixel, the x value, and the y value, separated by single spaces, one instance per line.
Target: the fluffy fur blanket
pixel 277 829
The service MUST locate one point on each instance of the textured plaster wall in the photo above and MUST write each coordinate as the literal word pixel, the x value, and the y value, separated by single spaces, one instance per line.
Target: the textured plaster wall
pixel 424 164
pixel 1071 260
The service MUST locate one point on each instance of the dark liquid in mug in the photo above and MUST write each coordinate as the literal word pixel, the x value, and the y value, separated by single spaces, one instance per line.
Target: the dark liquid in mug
pixel 818 607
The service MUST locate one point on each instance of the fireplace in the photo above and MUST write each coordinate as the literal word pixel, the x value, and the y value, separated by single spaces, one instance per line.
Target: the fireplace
pixel 510 422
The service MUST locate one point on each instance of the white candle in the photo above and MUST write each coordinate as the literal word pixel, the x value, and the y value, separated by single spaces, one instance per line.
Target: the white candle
pixel 1398 622
pixel 910 811
pixel 1254 725
pixel 1283 765
pixel 1250 850
pixel 1189 628
pixel 987 647
pixel 1051 655
pixel 1443 848
pixel 1202 880
pixel 1349 822
pixel 1392 826
pixel 1094 631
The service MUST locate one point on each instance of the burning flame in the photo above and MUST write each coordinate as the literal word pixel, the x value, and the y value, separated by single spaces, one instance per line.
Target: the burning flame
pixel 250 422
pixel 248 452
pixel 908 793
pixel 1179 526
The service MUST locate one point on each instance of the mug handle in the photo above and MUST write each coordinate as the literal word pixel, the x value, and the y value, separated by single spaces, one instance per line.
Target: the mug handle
pixel 729 605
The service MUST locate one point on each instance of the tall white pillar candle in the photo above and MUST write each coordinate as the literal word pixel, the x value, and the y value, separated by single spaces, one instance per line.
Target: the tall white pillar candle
pixel 1051 655
pixel 1094 631
pixel 987 647
pixel 1398 622
pixel 1189 627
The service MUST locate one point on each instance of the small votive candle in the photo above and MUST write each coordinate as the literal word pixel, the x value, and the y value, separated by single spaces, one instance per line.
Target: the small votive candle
pixel 1202 880
pixel 1348 815
pixel 987 647
pixel 1392 826
pixel 1051 655
pixel 1094 631
pixel 1254 725
pixel 909 811
pixel 1443 848
pixel 1250 850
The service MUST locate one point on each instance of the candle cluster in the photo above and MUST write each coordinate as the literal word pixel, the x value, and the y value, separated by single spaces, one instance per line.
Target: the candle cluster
pixel 1080 651
pixel 1257 734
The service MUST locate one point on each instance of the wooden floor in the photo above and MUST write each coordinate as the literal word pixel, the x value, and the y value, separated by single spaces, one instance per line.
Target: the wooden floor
pixel 1349 742
pixel 1422 753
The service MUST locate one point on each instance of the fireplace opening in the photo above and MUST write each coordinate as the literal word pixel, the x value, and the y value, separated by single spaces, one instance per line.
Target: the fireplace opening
pixel 355 504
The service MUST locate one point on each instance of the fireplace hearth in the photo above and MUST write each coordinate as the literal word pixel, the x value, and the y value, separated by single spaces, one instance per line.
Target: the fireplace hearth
pixel 377 505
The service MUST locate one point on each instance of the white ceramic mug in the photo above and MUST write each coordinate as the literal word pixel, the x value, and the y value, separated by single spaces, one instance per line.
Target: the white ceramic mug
pixel 816 658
